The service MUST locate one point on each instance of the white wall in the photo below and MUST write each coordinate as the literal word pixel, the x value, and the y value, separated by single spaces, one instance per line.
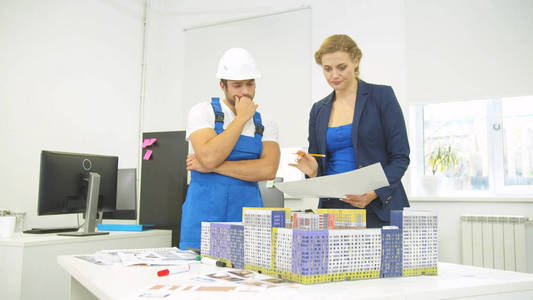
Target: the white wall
pixel 69 81
pixel 377 27
pixel 466 50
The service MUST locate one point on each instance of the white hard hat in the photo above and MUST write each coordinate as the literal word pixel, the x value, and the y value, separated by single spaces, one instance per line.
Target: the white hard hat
pixel 237 64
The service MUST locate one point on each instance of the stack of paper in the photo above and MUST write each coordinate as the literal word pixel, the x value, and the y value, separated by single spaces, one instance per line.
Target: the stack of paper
pixel 152 257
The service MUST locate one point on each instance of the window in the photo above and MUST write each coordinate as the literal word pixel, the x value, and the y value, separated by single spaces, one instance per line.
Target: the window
pixel 488 145
pixel 517 136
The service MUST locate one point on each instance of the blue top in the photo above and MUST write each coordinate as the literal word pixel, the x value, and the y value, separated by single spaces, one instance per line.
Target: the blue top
pixel 339 146
pixel 378 135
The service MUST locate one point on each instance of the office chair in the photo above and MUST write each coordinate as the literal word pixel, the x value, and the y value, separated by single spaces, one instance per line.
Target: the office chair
pixel 272 197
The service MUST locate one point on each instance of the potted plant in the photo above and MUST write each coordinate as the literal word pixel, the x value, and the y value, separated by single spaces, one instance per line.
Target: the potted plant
pixel 442 158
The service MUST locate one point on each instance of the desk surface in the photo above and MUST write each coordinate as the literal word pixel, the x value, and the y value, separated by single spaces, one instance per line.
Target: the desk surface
pixel 454 281
pixel 28 262
pixel 28 239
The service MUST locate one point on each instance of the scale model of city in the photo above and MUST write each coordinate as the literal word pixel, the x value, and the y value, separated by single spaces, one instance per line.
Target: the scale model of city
pixel 330 245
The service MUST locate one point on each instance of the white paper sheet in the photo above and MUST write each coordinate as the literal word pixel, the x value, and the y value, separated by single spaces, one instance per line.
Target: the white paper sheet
pixel 287 156
pixel 356 182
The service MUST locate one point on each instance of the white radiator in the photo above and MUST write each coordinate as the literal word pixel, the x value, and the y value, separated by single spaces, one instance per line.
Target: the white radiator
pixel 497 242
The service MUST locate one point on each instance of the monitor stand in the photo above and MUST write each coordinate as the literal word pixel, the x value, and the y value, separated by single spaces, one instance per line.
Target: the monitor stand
pixel 89 228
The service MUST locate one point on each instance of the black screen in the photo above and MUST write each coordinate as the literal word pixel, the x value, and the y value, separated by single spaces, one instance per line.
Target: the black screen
pixel 63 182
pixel 126 196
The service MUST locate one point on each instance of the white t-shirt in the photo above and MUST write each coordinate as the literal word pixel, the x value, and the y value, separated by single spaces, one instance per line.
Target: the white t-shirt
pixel 202 116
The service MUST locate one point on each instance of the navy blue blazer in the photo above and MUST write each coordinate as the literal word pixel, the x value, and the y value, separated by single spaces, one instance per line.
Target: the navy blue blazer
pixel 379 135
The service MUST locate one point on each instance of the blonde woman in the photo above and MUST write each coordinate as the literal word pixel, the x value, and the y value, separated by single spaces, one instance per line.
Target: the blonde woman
pixel 358 124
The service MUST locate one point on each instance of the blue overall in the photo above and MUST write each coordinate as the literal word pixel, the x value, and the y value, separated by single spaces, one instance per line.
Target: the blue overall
pixel 213 197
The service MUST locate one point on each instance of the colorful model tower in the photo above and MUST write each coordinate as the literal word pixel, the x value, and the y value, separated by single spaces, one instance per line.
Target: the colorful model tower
pixel 420 241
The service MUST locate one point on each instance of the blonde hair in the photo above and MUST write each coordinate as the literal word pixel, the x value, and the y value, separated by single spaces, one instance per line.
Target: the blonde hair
pixel 339 42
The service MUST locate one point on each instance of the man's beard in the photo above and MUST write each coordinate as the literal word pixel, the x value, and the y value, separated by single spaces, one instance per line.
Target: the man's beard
pixel 231 100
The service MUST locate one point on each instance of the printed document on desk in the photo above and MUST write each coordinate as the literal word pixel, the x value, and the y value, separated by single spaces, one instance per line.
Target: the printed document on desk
pixel 356 182
pixel 149 256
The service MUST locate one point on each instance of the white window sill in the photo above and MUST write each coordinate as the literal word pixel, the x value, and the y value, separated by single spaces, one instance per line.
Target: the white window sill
pixel 470 198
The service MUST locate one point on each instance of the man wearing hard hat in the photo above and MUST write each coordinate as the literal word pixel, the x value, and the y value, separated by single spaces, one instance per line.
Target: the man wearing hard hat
pixel 233 147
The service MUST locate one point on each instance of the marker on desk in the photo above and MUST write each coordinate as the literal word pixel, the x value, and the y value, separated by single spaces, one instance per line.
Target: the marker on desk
pixel 174 270
pixel 213 262
pixel 312 154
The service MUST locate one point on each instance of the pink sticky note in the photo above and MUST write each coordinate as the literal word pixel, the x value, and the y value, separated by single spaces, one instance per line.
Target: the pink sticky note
pixel 147 154
pixel 145 143
pixel 152 141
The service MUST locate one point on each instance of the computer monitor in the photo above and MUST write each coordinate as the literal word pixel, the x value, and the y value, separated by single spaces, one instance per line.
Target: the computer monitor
pixel 63 182
pixel 126 208
pixel 68 180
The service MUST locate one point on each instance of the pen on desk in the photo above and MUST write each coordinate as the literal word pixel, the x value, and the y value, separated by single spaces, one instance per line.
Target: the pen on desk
pixel 212 262
pixel 312 154
pixel 174 270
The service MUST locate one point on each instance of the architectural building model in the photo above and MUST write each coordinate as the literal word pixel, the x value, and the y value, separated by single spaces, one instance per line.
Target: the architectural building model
pixel 331 245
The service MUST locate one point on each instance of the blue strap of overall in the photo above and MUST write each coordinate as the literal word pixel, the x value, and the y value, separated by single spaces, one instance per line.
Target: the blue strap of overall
pixel 219 119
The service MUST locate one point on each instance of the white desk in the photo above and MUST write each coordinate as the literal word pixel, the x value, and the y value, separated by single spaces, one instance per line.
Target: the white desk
pixel 89 281
pixel 28 262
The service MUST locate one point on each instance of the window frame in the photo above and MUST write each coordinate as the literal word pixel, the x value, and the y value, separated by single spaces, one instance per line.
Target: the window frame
pixel 496 167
